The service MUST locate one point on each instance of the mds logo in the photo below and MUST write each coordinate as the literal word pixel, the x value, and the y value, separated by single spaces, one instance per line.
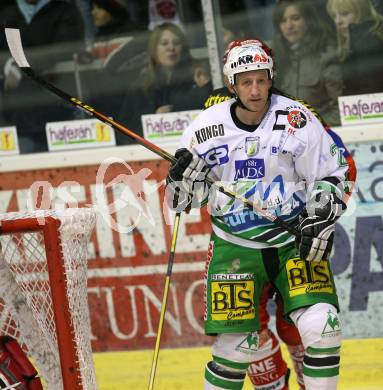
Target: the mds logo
pixel 252 168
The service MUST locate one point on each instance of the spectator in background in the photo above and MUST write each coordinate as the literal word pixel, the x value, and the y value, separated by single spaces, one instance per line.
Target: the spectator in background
pixel 170 81
pixel 110 18
pixel 201 71
pixel 119 50
pixel 308 66
pixel 170 70
pixel 360 44
pixel 52 31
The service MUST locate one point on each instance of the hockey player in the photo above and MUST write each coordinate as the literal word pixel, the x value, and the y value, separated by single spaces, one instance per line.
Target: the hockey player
pixel 269 353
pixel 275 151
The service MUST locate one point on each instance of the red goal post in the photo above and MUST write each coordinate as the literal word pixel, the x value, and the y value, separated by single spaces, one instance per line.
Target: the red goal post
pixel 43 292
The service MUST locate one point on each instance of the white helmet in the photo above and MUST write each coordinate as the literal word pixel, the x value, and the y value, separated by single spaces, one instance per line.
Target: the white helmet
pixel 246 55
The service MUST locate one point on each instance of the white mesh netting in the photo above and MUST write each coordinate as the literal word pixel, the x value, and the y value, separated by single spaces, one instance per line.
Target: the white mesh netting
pixel 26 309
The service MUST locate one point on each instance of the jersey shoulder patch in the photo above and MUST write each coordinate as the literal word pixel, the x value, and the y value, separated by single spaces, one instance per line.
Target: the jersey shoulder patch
pixel 292 115
pixel 302 105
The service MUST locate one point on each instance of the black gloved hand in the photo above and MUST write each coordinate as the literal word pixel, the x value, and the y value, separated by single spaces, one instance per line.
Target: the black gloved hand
pixel 186 178
pixel 317 224
pixel 177 169
pixel 189 168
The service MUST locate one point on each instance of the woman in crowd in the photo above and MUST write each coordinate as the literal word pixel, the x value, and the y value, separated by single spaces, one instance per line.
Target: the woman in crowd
pixel 308 66
pixel 360 44
pixel 169 82
pixel 114 33
pixel 52 31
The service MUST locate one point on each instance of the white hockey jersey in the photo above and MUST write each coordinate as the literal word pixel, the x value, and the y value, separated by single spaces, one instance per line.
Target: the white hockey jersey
pixel 278 164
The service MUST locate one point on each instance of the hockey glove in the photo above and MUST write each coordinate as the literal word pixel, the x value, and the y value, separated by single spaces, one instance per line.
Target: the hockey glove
pixel 15 368
pixel 317 224
pixel 186 180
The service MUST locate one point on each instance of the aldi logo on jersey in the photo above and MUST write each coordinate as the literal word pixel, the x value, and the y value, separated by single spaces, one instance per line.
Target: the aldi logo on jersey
pixel 252 168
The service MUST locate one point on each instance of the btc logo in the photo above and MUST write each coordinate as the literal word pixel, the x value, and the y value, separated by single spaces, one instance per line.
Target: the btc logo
pixel 232 300
pixel 308 276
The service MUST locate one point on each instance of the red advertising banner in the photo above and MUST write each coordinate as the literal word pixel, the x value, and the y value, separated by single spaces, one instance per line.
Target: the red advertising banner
pixel 129 249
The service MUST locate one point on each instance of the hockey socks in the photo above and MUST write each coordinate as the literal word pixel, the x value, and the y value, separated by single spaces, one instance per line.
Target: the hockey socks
pixel 269 371
pixel 219 377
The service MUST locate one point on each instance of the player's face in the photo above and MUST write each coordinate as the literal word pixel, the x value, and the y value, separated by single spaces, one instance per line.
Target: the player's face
pixel 169 49
pixel 292 25
pixel 253 89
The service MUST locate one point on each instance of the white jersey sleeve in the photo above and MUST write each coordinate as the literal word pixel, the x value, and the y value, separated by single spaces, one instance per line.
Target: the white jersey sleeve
pixel 321 158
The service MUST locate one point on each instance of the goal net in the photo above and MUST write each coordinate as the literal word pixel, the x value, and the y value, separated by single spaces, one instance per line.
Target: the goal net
pixel 43 292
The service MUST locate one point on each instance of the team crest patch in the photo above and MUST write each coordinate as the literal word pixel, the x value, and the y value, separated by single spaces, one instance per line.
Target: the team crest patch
pixel 252 146
pixel 297 119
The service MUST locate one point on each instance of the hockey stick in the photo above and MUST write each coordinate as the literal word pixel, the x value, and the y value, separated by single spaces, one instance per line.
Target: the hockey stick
pixel 17 52
pixel 164 299
pixel 11 386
